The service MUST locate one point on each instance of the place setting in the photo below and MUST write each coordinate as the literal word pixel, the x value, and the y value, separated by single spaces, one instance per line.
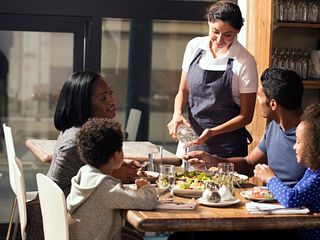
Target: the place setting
pixel 267 208
pixel 165 186
pixel 258 194
pixel 220 192
pixel 217 197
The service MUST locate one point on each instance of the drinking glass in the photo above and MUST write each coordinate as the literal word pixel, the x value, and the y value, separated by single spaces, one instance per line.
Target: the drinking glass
pixel 226 171
pixel 166 180
pixel 186 165
pixel 166 176
pixel 154 157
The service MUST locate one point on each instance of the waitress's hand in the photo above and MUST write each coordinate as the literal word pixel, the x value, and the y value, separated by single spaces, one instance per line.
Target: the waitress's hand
pixel 128 171
pixel 205 135
pixel 174 123
pixel 263 172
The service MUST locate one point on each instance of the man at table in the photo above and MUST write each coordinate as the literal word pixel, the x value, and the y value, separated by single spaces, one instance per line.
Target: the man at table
pixel 280 98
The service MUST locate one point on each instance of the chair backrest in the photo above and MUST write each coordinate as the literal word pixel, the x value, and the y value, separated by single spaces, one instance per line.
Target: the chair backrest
pixel 10 154
pixel 20 194
pixel 133 124
pixel 53 209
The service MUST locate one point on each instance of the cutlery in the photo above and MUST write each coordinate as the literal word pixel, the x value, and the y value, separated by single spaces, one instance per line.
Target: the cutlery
pixel 273 210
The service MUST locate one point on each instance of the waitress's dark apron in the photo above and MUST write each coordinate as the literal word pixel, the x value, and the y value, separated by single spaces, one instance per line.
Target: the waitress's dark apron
pixel 210 104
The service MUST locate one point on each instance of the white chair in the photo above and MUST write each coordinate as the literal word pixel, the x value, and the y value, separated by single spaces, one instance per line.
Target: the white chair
pixel 11 160
pixel 133 124
pixel 20 195
pixel 53 209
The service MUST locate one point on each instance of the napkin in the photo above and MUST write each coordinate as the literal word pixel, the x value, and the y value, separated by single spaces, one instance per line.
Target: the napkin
pixel 175 206
pixel 265 208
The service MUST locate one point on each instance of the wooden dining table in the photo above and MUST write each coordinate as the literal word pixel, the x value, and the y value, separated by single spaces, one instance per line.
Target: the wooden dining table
pixel 136 150
pixel 204 218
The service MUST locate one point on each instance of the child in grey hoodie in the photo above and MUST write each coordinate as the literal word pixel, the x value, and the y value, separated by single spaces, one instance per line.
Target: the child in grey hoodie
pixel 96 198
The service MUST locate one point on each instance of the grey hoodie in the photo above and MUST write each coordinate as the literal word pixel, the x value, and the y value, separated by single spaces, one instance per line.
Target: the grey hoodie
pixel 95 201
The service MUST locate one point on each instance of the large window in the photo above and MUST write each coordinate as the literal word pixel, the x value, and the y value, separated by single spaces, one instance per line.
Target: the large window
pixel 33 67
pixel 168 41
pixel 41 44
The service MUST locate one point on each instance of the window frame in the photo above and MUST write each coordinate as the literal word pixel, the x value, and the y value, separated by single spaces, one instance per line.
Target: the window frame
pixel 84 29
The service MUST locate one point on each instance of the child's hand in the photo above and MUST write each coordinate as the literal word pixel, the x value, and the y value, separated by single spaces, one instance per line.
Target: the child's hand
pixel 141 182
pixel 263 172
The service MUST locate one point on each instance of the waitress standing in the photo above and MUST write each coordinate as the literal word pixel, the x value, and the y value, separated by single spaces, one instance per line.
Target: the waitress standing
pixel 218 85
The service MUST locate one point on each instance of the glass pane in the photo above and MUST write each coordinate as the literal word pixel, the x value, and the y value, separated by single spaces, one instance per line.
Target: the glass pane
pixel 169 39
pixel 33 67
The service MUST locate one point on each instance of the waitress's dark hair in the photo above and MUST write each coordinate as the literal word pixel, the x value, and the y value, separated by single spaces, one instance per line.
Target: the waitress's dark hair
pixel 74 103
pixel 226 11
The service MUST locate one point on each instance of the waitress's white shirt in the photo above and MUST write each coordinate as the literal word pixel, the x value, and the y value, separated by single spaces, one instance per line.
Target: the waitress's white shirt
pixel 245 73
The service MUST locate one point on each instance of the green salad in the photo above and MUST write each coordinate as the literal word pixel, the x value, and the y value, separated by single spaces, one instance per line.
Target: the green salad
pixel 197 179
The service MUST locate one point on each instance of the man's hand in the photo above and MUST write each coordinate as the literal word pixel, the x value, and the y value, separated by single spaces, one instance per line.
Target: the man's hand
pixel 210 161
pixel 197 164
pixel 128 171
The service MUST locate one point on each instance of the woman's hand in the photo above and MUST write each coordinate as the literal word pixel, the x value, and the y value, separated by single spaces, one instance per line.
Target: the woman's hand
pixel 128 171
pixel 263 172
pixel 205 135
pixel 174 123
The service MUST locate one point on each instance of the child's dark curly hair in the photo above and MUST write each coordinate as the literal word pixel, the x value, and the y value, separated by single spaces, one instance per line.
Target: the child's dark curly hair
pixel 98 140
pixel 311 119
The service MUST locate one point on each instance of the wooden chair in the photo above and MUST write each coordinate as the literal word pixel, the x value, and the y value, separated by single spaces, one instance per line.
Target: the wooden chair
pixel 11 161
pixel 53 209
pixel 133 124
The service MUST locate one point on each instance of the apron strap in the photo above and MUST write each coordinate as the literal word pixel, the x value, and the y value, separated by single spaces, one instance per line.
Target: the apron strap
pixel 197 55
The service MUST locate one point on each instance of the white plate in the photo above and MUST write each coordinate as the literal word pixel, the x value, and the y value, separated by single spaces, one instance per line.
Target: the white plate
pixel 152 176
pixel 242 177
pixel 134 186
pixel 248 195
pixel 189 193
pixel 225 203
